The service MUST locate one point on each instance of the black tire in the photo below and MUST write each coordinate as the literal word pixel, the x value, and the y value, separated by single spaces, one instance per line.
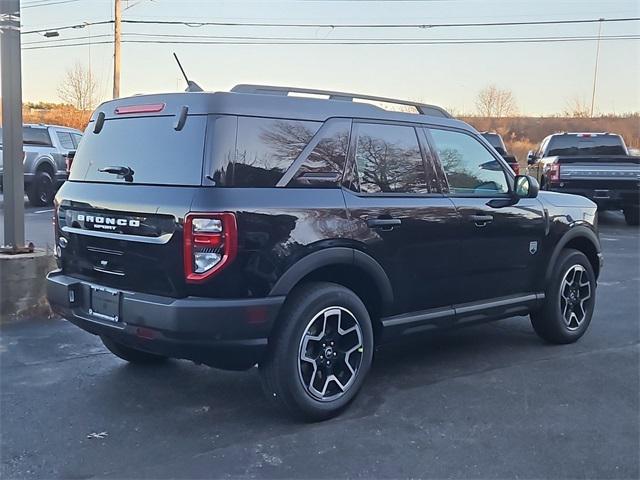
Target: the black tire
pixel 632 215
pixel 555 321
pixel 41 190
pixel 285 377
pixel 129 354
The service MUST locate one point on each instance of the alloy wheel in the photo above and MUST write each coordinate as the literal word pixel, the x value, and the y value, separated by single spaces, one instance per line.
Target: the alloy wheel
pixel 330 353
pixel 575 291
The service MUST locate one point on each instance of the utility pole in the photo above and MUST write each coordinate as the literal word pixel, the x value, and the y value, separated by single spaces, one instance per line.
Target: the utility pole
pixel 595 68
pixel 117 26
pixel 11 74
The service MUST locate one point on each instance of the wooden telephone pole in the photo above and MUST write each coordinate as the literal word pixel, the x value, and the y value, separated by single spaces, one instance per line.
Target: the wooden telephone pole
pixel 117 27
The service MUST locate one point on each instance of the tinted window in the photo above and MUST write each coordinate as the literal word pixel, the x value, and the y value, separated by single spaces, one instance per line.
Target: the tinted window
pixel 388 159
pixel 570 145
pixel 329 154
pixel 65 140
pixel 33 136
pixel 470 168
pixel 150 146
pixel 76 138
pixel 267 147
pixel 496 142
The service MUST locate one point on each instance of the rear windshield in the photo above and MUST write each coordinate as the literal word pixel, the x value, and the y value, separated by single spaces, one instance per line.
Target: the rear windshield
pixel 496 142
pixel 149 146
pixel 33 136
pixel 574 145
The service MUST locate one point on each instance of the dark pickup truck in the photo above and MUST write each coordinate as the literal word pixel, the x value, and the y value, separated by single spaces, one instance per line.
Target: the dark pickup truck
pixel 595 165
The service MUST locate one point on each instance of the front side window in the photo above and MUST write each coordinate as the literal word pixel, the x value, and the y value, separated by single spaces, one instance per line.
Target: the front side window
pixel 389 160
pixel 469 167
pixel 267 147
pixel 76 139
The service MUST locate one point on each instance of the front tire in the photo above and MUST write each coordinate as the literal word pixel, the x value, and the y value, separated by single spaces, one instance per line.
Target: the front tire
pixel 129 354
pixel 632 215
pixel 41 189
pixel 320 352
pixel 569 300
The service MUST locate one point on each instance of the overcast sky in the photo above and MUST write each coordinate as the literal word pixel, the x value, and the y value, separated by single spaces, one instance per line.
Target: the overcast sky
pixel 542 76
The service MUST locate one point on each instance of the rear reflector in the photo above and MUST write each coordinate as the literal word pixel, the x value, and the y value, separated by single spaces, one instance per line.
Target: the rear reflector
pixel 149 108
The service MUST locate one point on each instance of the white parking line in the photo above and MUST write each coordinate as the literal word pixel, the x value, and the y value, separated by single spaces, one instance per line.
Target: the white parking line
pixel 44 211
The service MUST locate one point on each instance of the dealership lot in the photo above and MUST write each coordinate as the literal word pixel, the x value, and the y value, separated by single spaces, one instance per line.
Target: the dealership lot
pixel 487 402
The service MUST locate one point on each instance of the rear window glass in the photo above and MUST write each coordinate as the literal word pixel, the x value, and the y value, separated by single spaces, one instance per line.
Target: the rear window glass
pixel 33 136
pixel 267 147
pixel 573 145
pixel 150 146
pixel 495 141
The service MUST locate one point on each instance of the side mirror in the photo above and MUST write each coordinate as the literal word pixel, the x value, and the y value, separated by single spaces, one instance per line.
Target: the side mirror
pixel 526 187
pixel 531 157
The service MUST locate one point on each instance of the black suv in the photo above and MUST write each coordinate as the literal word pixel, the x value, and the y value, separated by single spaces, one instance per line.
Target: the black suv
pixel 257 227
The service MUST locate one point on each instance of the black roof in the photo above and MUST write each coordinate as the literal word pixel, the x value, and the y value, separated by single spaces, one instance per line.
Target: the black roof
pixel 276 106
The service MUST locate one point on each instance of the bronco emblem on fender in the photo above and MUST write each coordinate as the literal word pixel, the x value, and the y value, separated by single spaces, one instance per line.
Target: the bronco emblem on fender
pixel 533 247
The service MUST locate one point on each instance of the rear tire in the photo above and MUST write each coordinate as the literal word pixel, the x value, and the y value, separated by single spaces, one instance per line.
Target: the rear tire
pixel 129 354
pixel 41 190
pixel 320 352
pixel 632 215
pixel 569 300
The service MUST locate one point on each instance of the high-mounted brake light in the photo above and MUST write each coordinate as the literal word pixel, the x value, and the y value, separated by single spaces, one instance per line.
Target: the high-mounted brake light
pixel 148 108
pixel 210 243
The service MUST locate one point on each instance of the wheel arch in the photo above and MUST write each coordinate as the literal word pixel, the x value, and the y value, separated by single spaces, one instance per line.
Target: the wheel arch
pixel 582 239
pixel 45 164
pixel 345 266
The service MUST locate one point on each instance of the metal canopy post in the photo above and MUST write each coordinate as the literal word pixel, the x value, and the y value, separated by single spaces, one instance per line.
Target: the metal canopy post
pixel 11 76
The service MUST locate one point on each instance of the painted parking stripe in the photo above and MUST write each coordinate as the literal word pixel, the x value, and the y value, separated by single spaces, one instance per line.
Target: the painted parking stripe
pixel 44 211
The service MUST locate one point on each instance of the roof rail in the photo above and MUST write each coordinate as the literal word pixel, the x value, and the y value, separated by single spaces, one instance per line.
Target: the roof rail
pixel 421 108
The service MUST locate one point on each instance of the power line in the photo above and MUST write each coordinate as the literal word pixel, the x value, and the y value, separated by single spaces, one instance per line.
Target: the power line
pixel 378 25
pixel 47 4
pixel 381 42
pixel 67 27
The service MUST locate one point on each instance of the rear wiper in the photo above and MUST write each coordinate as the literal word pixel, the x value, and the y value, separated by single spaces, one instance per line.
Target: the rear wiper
pixel 120 171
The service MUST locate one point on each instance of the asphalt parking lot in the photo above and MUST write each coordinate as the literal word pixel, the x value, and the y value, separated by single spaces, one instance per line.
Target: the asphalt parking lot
pixel 487 402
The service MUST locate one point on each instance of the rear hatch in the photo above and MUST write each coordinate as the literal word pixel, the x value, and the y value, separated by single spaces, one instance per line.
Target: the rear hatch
pixel 603 172
pixel 133 180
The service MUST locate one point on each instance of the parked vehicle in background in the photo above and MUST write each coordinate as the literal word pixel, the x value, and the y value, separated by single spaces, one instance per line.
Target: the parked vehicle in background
pixel 595 165
pixel 258 227
pixel 46 163
pixel 495 139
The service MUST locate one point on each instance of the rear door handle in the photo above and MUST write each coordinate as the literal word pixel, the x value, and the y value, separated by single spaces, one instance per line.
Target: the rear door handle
pixel 384 223
pixel 481 220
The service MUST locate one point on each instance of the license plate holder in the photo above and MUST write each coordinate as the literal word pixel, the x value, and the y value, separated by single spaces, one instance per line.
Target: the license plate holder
pixel 105 304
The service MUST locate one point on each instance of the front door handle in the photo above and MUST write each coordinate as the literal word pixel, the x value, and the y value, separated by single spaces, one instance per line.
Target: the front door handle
pixel 481 220
pixel 385 224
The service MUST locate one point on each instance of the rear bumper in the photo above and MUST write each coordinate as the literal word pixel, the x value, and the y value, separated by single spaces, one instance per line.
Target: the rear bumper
pixel 230 334
pixel 606 199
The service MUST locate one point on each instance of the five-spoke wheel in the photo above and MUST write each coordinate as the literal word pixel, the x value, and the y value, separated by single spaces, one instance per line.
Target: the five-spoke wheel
pixel 320 352
pixel 330 353
pixel 569 299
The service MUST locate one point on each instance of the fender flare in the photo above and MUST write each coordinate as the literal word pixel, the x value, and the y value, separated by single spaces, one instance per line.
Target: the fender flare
pixel 575 232
pixel 39 161
pixel 335 256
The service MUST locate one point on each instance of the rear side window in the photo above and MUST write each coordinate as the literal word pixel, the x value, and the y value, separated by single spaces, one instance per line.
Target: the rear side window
pixel 150 146
pixel 389 160
pixel 267 147
pixel 76 139
pixel 470 168
pixel 65 140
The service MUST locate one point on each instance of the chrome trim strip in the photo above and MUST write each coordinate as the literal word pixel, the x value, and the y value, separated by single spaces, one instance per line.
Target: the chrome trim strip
pixel 119 236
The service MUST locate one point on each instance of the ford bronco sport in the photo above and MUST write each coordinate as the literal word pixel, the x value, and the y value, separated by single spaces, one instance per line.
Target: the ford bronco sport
pixel 258 227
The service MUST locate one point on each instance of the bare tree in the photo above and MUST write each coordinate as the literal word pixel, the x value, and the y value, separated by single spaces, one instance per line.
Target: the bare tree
pixel 78 88
pixel 496 102
pixel 576 107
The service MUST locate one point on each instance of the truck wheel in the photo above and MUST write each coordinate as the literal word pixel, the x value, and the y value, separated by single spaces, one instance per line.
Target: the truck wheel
pixel 320 352
pixel 131 355
pixel 41 191
pixel 569 300
pixel 632 215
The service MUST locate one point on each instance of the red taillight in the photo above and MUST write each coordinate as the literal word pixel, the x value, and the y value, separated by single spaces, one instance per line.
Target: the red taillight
pixel 210 243
pixel 516 168
pixel 68 162
pixel 553 172
pixel 148 108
